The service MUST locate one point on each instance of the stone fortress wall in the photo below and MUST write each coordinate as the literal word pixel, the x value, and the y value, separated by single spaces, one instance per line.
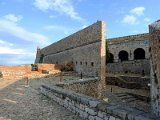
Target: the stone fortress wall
pixel 130 48
pixel 76 49
pixel 128 44
pixel 129 54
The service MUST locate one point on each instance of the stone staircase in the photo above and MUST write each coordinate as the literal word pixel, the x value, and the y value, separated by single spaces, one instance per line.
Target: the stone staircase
pixel 125 97
pixel 134 101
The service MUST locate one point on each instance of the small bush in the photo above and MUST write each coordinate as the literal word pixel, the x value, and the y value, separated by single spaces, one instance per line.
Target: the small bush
pixel 45 72
pixel 34 67
pixel 1 75
pixel 67 67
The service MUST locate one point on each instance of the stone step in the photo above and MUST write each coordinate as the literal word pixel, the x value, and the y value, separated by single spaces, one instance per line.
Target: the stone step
pixel 127 97
pixel 131 100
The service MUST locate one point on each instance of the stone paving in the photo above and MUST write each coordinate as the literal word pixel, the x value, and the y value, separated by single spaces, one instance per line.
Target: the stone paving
pixel 18 102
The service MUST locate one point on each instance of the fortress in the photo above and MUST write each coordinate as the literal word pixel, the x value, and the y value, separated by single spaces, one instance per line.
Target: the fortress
pixel 129 54
pixel 85 49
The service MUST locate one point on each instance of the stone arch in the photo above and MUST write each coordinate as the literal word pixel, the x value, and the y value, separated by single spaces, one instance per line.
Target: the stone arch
pixel 111 58
pixel 139 53
pixel 123 55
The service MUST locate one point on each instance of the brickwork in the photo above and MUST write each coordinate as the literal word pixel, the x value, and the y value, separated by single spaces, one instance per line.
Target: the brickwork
pixel 154 31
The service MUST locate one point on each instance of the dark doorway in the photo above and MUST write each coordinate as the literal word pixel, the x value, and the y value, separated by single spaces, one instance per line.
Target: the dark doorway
pixel 139 53
pixel 111 58
pixel 41 58
pixel 123 55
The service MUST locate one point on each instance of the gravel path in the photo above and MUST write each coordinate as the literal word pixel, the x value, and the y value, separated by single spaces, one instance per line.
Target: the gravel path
pixel 18 102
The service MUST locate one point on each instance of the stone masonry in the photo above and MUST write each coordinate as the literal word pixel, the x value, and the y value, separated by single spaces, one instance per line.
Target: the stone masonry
pixel 154 31
pixel 69 53
pixel 91 108
pixel 128 44
pixel 82 48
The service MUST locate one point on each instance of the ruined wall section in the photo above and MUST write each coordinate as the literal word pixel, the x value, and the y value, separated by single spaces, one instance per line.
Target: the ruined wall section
pixel 154 31
pixel 81 48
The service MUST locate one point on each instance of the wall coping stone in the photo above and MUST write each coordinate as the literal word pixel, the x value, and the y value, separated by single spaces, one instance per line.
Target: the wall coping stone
pixel 81 81
pixel 112 109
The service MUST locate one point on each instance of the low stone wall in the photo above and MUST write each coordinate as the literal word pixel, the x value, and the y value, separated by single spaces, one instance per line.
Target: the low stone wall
pixel 20 72
pixel 91 108
pixel 135 66
pixel 130 82
pixel 143 81
pixel 87 87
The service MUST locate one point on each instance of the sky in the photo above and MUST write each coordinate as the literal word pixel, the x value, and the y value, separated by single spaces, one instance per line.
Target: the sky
pixel 26 24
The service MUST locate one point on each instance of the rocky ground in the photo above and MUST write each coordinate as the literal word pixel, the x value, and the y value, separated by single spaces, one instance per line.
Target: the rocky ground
pixel 18 102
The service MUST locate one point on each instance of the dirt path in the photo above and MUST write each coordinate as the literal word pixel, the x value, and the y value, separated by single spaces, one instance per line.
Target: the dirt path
pixel 18 102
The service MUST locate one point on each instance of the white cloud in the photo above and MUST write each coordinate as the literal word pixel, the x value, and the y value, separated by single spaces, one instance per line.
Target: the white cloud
pixel 13 18
pixel 84 26
pixel 59 29
pixel 18 60
pixel 55 28
pixel 52 16
pixel 15 56
pixel 9 50
pixel 130 19
pixel 147 20
pixel 18 31
pixel 60 6
pixel 5 43
pixel 138 11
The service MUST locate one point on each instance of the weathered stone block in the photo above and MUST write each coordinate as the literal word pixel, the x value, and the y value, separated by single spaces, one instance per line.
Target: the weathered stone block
pixel 93 103
pixel 91 117
pixel 101 114
pixel 98 118
pixel 112 118
pixel 91 111
pixel 82 107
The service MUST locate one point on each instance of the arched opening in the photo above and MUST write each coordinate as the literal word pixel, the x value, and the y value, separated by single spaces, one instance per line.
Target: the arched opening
pixel 123 55
pixel 139 53
pixel 111 58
